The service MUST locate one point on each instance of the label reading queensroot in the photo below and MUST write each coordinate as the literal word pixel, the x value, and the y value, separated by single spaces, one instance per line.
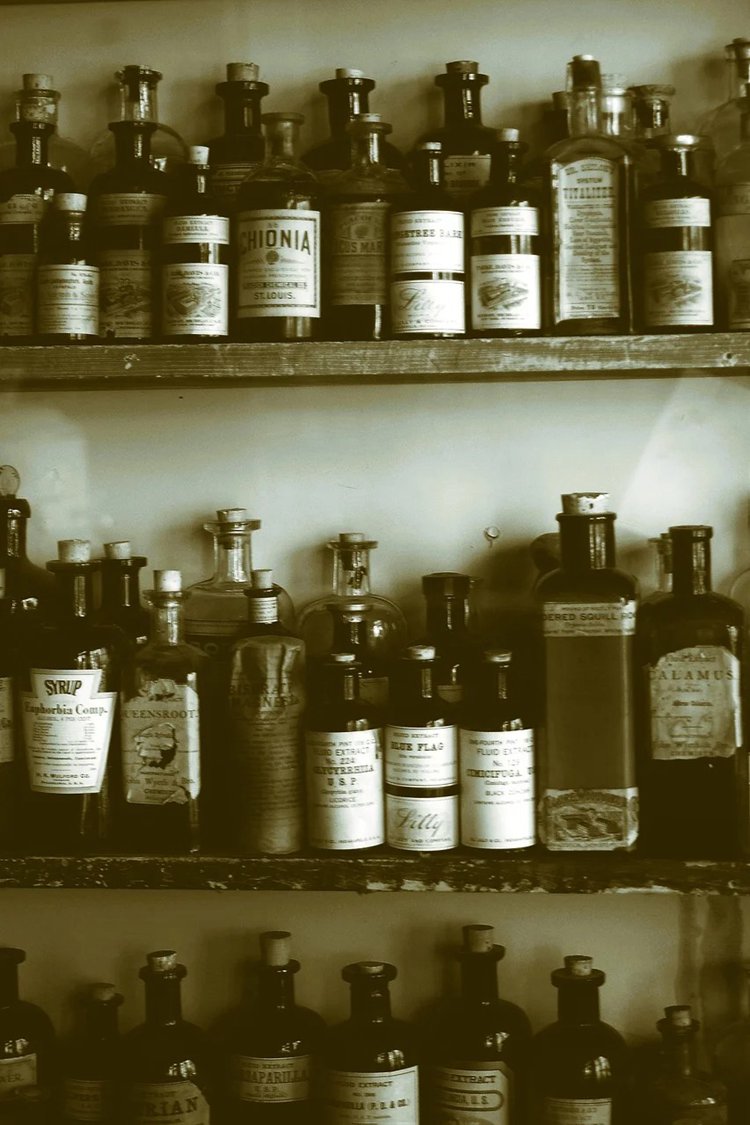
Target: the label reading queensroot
pixel 372 1098
pixel 476 1093
pixel 345 789
pixel 17 1073
pixel 278 269
pixel 695 704
pixel 271 1081
pixel 166 1103
pixel 161 744
pixel 577 1111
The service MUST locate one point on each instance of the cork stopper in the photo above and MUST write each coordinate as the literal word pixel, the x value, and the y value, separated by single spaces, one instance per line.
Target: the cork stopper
pixel 119 550
pixel 583 73
pixel 614 83
pixel 497 656
pixel 198 154
pixel 38 82
pixel 366 972
pixel 242 72
pixel 276 948
pixel 162 961
pixel 69 201
pixel 262 579
pixel 10 481
pixel 349 72
pixel 231 515
pixel 74 550
pixel 479 939
pixel 446 584
pixel 738 49
pixel 419 652
pixel 462 66
pixel 510 136
pixel 584 503
pixel 679 1016
pixel 346 538
pixel 428 146
pixel 577 966
pixel 167 581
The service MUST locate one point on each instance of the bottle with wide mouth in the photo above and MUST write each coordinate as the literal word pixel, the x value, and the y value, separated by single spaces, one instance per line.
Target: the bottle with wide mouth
pixel 241 147
pixel 468 145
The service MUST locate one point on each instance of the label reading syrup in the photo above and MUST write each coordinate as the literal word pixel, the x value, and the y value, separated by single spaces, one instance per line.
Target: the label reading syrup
pixel 67 725
pixel 427 306
pixel 357 273
pixel 7 749
pixel 497 788
pixel 126 286
pixel 577 1111
pixel 278 271
pixel 195 299
pixel 88 1099
pixel 17 1073
pixel 695 704
pixel 271 1081
pixel 421 824
pixel 126 209
pixel 195 228
pixel 345 789
pixel 421 757
pixel 17 276
pixel 678 288
pixel 161 744
pixel 695 212
pixel 589 619
pixel 68 300
pixel 587 239
pixel 505 292
pixel 427 241
pixel 474 1093
pixel 372 1098
pixel 466 174
pixel 166 1103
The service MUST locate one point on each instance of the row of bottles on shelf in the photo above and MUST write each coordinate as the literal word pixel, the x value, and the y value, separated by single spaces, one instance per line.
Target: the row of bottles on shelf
pixel 607 705
pixel 468 1058
pixel 608 232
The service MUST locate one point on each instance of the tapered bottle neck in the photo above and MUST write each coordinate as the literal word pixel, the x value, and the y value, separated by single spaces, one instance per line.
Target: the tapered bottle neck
pixel 479 977
pixel 349 633
pixel 587 542
pixel 691 565
pixel 32 142
pixel 232 558
pixel 351 571
pixel 13 536
pixel 347 99
pixel 163 1000
pixel 679 1053
pixel 121 584
pixel 584 112
pixel 462 99
pixel 276 986
pixel 447 618
pixel 578 1003
pixel 506 163
pixel 242 108
pixel 738 70
pixel 132 143
pixel 75 589
pixel 370 1002
pixel 366 150
pixel 167 619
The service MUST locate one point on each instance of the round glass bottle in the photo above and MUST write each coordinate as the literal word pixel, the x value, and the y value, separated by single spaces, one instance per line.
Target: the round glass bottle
pixel 348 98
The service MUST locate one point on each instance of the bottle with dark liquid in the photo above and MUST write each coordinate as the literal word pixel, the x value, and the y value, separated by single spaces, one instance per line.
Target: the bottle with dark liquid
pixel 477 1045
pixel 278 242
pixel 447 628
pixel 372 1059
pixel 722 124
pixel 241 148
pixel 732 230
pixel 120 594
pixel 30 589
pixel 694 771
pixel 731 1060
pixel 651 108
pixel 348 98
pixel 91 1061
pixel 270 1050
pixel 28 1050
pixel 67 281
pixel 680 1091
pixel 10 767
pixel 579 1065
pixel 468 145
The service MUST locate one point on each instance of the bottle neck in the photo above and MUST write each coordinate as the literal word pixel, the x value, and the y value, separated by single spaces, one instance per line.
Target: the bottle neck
pixel 651 117
pixel 276 987
pixel 75 589
pixel 415 682
pixel 675 163
pixel 138 100
pixel 584 112
pixel 339 685
pixel 349 635
pixel 163 1001
pixel 344 105
pixel 14 544
pixel 101 1021
pixel 479 978
pixel 428 169
pixel 242 112
pixel 371 1003
pixel 8 984
pixel 739 76
pixel 447 617
pixel 578 1004
pixel 462 103
pixel 679 1055
pixel 282 145
pixel 587 542
pixel 132 146
pixel 366 151
pixel 167 618
pixel 232 560
pixel 351 572
pixel 506 164
pixel 32 140
pixel 691 573
pixel 120 586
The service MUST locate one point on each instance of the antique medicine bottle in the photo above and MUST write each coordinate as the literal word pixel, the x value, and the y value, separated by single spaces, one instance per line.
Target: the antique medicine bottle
pixel 348 98
pixel 67 280
pixel 468 145
pixel 91 1061
pixel 241 148
pixel 732 231
pixel 722 124
pixel 120 592
pixel 28 1050
pixel 680 1091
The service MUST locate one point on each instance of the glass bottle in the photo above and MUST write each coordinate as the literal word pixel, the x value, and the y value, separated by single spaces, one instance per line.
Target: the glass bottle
pixel 468 145
pixel 679 1091
pixel 427 254
pixel 270 1050
pixel 166 1061
pixel 421 758
pixel 732 231
pixel 241 148
pixel 355 241
pixel 194 257
pixel 264 781
pixel 676 243
pixel 137 102
pixel 127 203
pixel 477 1045
pixel 37 101
pixel 496 761
pixel 371 1057
pixel 651 106
pixel 67 281
pixel 348 98
pixel 91 1060
pixel 588 798
pixel 10 767
pixel 278 242
pixel 616 107
pixel 731 1062
pixel 579 1065
pixel 447 629
pixel 31 589
pixel 120 591
pixel 351 635
pixel 165 727
pixel 28 1049
pixel 661 546
pixel 590 266
pixel 722 124
pixel 552 127
pixel 694 770
pixel 70 677
pixel 344 762
pixel 504 248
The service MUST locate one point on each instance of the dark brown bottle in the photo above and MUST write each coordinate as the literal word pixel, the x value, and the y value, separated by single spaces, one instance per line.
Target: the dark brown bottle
pixel 476 1046
pixel 348 98
pixel 169 1066
pixel 120 591
pixel 579 1065
pixel 91 1061
pixel 11 767
pixel 351 633
pixel 694 768
pixel 680 1091
pixel 28 1050
pixel 270 1048
pixel 447 628
pixel 241 148
pixel 372 1058
pixel 30 589
pixel 468 145
pixel 67 281
pixel 127 203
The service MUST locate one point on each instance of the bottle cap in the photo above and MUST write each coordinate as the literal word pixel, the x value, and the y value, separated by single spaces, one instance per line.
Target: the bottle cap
pixel 118 550
pixel 349 72
pixel 162 961
pixel 167 581
pixel 479 939
pixel 582 503
pixel 462 66
pixel 679 1016
pixel 38 82
pixel 583 73
pixel 262 579
pixel 69 201
pixel 560 100
pixel 363 971
pixel 578 966
pixel 681 140
pixel 419 652
pixel 510 136
pixel 231 515
pixel 242 72
pixel 198 154
pixel 614 84
pixel 136 72
pixel 446 584
pixel 74 550
pixel 691 532
pixel 348 537
pixel 275 948
pixel 497 656
pixel 428 146
pixel 10 481
pixel 354 540
pixel 578 969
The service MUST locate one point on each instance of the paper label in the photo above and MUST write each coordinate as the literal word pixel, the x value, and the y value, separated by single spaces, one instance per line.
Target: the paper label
pixel 166 1103
pixel 427 241
pixel 160 729
pixel 587 239
pixel 692 212
pixel 344 789
pixel 577 1111
pixel 357 247
pixel 128 209
pixel 195 299
pixel 588 820
pixel 732 258
pixel 489 222
pixel 127 278
pixel 279 263
pixel 733 199
pixel 7 746
pixel 88 1099
pixel 474 1093
pixel 67 726
pixel 271 1080
pixel 68 300
pixel 505 292
pixel 497 788
pixel 695 704
pixel 466 174
pixel 17 277
pixel 369 1098
pixel 421 757
pixel 23 208
pixel 195 228
pixel 678 288
pixel 421 824
pixel 17 1073
pixel 427 306
pixel 589 619
pixel 226 180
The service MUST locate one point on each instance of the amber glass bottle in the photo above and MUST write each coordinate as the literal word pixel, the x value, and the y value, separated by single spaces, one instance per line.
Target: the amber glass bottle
pixel 348 98
pixel 468 145
pixel 240 149
pixel 91 1061
pixel 680 1091
pixel 120 592
pixel 67 280
pixel 28 1049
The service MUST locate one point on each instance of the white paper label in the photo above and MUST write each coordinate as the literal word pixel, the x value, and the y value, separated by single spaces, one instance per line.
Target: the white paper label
pixel 166 1103
pixel 421 757
pixel 279 263
pixel 505 292
pixel 732 258
pixel 692 212
pixel 587 239
pixel 7 748
pixel 195 299
pixel 357 247
pixel 344 789
pixel 490 222
pixel 466 174
pixel 427 306
pixel 589 619
pixel 17 1073
pixel 271 1081
pixel 126 298
pixel 372 1098
pixel 421 824
pixel 588 820
pixel 17 277
pixel 695 704
pixel 427 241
pixel 67 725
pixel 88 1099
pixel 497 788
pixel 577 1111
pixel 68 300
pixel 226 180
pixel 128 209
pixel 474 1093
pixel 196 228
pixel 160 730
pixel 678 288
pixel 23 208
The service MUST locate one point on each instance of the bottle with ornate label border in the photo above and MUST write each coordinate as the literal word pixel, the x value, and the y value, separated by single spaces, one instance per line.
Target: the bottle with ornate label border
pixel 67 280
pixel 91 1061
pixel 241 148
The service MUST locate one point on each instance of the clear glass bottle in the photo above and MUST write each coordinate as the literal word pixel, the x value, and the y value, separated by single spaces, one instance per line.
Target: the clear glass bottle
pixel 67 280
pixel 355 239
pixel 91 1061
pixel 616 107
pixel 28 1048
pixel 590 270
pixel 165 728
pixel 38 101
pixel 732 231
pixel 120 591
pixel 651 109
pixel 30 589
pixel 241 148
pixel 676 243
pixel 477 1045
pixel 504 248
pixel 468 145
pixel 447 620
pixel 588 796
pixel 270 1049
pixel 722 124
pixel 680 1091
pixel 277 293
pixel 694 770
pixel 731 1061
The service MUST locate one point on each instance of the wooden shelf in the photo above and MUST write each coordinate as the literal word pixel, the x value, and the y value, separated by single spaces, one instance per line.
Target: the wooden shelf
pixel 571 874
pixel 414 361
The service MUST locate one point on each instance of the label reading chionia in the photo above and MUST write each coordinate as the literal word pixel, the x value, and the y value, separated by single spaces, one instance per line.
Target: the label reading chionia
pixel 88 1099
pixel 589 619
pixel 586 233
pixel 474 1093
pixel 372 1098
pixel 577 1111
pixel 271 1081
pixel 278 267
pixel 166 1103
pixel 695 704
pixel 17 1073
pixel 588 820
pixel 161 744
pixel 67 724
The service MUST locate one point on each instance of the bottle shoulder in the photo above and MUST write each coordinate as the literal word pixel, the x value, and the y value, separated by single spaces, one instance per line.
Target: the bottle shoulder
pixel 572 149
pixel 608 582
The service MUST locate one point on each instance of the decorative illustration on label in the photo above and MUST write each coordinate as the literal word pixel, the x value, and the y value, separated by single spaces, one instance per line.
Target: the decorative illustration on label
pixel 427 306
pixel 279 263
pixel 67 300
pixel 7 747
pixel 466 174
pixel 505 292
pixel 271 1080
pixel 421 824
pixel 421 757
pixel 88 1099
pixel 17 276
pixel 160 730
pixel 195 299
pixel 586 234
pixel 166 1103
pixel 368 1098
pixel 589 619
pixel 577 1111
pixel 195 228
pixel 694 703
pixel 491 222
pixel 120 209
pixel 678 288
pixel 17 1073
pixel 126 301
pixel 691 212
pixel 497 788
pixel 67 726
pixel 590 820
pixel 345 789
pixel 357 248
pixel 474 1093
pixel 427 241
pixel 24 208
